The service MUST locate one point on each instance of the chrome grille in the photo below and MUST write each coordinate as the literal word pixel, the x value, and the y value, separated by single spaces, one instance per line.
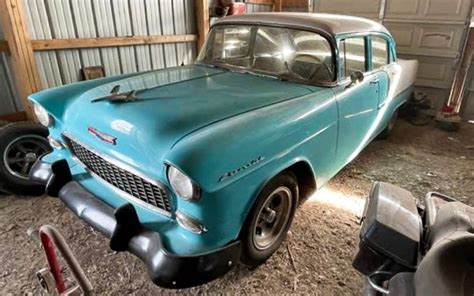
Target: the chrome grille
pixel 122 179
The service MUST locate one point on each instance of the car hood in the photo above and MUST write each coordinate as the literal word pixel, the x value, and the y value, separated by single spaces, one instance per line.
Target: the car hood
pixel 169 105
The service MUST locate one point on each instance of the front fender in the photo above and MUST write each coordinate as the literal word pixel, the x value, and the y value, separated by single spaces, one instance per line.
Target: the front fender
pixel 231 160
pixel 56 100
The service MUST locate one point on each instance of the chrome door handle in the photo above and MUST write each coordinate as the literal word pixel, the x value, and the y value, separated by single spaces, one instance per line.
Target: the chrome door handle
pixel 374 81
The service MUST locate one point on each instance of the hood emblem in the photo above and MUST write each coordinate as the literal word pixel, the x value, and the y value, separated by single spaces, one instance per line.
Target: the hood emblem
pixel 102 136
pixel 115 96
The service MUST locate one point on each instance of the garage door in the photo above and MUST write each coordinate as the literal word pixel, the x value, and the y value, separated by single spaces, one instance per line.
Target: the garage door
pixel 431 31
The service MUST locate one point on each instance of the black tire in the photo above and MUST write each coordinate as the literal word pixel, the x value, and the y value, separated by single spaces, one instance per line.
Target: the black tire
pixel 254 250
pixel 21 144
pixel 389 128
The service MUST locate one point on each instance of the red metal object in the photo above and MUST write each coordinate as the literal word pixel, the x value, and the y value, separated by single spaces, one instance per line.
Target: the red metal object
pixel 237 8
pixel 53 262
pixel 54 244
pixel 447 109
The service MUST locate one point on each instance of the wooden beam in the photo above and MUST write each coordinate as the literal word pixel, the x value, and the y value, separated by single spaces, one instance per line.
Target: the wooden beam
pixel 18 116
pixel 4 46
pixel 298 5
pixel 49 44
pixel 23 63
pixel 261 2
pixel 202 20
pixel 277 7
pixel 459 86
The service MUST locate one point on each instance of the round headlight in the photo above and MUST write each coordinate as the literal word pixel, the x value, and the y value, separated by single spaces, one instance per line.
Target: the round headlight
pixel 42 115
pixel 182 185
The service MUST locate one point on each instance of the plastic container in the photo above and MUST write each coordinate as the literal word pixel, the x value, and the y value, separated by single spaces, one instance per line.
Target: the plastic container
pixel 391 231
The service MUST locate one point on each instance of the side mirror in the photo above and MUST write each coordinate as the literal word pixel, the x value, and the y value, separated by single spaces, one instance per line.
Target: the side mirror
pixel 356 77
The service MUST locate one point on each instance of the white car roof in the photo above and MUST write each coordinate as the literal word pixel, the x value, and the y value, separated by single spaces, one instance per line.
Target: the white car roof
pixel 333 24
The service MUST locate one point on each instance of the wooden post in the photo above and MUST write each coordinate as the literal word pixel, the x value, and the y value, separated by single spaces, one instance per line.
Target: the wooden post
pixel 202 20
pixel 23 61
pixel 277 6
pixel 296 5
pixel 4 46
pixel 459 83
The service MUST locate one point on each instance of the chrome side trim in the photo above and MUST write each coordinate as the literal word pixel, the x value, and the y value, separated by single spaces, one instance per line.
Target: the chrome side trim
pixel 358 113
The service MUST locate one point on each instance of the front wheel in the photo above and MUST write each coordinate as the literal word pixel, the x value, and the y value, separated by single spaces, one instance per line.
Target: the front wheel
pixel 269 220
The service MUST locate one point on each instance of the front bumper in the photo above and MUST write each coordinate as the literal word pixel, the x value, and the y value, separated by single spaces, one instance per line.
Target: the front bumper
pixel 122 227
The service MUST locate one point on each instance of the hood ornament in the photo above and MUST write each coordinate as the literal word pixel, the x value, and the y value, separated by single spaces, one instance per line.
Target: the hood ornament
pixel 116 97
pixel 102 136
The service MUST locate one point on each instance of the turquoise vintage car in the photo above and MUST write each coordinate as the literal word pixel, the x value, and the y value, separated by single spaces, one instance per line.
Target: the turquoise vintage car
pixel 198 167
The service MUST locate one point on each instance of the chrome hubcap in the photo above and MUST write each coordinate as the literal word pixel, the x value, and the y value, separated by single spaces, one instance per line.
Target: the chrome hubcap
pixel 272 218
pixel 21 153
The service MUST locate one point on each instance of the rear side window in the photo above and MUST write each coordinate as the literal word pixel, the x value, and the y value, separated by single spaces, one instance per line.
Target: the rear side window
pixel 379 52
pixel 353 54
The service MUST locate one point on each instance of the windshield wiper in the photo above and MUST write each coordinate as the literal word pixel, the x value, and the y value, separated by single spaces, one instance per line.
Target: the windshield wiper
pixel 116 97
pixel 216 66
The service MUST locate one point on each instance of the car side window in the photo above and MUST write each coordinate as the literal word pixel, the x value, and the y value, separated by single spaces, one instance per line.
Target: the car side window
pixel 353 54
pixel 379 52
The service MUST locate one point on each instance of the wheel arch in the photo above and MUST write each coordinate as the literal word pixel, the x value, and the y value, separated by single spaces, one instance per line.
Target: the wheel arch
pixel 305 179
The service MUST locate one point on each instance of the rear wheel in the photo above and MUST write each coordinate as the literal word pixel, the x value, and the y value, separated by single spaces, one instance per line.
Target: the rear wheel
pixel 391 124
pixel 21 144
pixel 269 220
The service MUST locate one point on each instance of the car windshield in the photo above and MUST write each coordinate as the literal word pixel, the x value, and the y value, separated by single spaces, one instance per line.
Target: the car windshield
pixel 284 53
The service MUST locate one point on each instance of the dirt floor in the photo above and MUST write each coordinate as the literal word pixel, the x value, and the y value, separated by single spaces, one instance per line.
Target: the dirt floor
pixel 316 257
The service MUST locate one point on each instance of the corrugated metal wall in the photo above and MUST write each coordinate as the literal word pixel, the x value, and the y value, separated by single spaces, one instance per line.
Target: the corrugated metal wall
pixel 9 101
pixel 258 8
pixel 52 19
pixel 431 31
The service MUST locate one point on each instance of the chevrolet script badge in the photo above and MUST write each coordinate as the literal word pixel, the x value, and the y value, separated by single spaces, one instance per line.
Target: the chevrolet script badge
pixel 102 136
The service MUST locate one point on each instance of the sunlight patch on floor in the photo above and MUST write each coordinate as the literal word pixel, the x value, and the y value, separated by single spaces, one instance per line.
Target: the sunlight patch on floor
pixel 350 203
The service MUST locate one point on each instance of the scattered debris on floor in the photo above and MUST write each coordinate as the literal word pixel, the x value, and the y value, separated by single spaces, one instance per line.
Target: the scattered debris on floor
pixel 316 257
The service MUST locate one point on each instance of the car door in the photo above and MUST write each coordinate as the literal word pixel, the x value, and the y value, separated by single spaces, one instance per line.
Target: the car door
pixel 384 67
pixel 357 103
